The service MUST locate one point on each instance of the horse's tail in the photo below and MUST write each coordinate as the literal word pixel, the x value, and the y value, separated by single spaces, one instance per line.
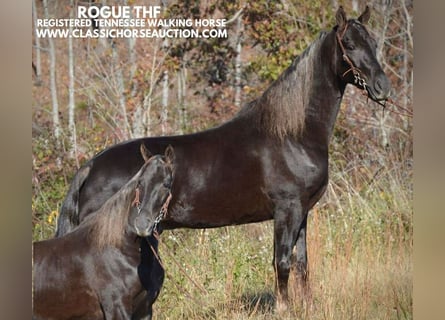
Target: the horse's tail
pixel 69 213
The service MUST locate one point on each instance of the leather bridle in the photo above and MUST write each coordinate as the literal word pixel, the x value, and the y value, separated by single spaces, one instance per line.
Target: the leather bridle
pixel 358 79
pixel 162 213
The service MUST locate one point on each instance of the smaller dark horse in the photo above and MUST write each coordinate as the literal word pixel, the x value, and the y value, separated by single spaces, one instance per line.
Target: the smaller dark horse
pixel 92 272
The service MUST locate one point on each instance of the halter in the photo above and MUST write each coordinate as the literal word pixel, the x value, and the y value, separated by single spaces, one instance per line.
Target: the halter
pixel 355 71
pixel 162 213
pixel 362 82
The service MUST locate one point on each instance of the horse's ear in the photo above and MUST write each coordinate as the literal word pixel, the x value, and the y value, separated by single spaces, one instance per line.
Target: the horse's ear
pixel 144 152
pixel 169 154
pixel 340 16
pixel 364 17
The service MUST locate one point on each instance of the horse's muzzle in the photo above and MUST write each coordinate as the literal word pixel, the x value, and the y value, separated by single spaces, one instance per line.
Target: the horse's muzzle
pixel 380 89
pixel 143 227
pixel 144 232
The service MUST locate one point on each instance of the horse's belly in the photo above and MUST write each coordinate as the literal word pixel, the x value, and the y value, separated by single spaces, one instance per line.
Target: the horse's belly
pixel 220 209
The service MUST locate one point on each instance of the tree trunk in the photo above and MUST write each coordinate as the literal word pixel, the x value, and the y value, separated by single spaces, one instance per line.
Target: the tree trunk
pixel 355 6
pixel 121 91
pixel 238 50
pixel 181 98
pixel 53 86
pixel 164 102
pixel 407 73
pixel 165 79
pixel 382 117
pixel 71 99
pixel 148 100
pixel 38 64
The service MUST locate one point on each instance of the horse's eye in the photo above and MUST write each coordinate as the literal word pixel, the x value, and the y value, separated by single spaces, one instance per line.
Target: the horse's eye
pixel 350 46
pixel 167 184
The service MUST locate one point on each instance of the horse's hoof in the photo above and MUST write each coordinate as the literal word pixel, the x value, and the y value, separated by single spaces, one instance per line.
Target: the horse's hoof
pixel 281 306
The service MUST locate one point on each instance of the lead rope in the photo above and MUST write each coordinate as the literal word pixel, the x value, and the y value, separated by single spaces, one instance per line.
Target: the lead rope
pixel 159 218
pixel 182 270
pixel 406 112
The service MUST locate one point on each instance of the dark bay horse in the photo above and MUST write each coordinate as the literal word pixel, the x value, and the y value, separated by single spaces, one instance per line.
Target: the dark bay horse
pixel 269 162
pixel 92 272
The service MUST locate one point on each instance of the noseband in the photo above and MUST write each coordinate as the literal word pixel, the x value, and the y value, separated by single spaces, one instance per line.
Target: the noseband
pixel 355 71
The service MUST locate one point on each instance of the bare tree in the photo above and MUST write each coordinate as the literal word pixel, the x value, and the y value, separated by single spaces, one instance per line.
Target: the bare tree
pixel 53 85
pixel 164 102
pixel 407 49
pixel 355 5
pixel 71 91
pixel 121 90
pixel 182 91
pixel 142 118
pixel 38 65
pixel 238 50
pixel 165 84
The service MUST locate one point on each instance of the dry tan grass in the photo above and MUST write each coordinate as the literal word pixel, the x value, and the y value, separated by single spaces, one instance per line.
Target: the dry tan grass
pixel 360 260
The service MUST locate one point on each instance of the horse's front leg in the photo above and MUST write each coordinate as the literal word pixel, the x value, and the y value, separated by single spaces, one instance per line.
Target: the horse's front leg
pixel 301 268
pixel 288 219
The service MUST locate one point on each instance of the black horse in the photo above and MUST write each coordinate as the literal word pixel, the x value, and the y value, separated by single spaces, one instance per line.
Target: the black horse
pixel 269 162
pixel 92 272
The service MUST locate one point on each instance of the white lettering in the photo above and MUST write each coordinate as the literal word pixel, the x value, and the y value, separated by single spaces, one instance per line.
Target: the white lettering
pixel 151 12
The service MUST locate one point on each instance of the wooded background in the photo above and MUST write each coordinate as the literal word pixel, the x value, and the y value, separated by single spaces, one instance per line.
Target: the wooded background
pixel 91 93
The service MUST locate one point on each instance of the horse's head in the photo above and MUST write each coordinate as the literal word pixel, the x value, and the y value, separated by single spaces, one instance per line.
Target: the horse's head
pixel 359 65
pixel 152 192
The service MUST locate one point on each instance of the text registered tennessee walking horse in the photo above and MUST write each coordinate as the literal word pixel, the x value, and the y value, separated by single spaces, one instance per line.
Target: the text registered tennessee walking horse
pixel 269 162
pixel 92 272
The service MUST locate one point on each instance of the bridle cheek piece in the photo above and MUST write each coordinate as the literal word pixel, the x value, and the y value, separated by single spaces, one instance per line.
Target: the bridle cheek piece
pixel 162 212
pixel 136 202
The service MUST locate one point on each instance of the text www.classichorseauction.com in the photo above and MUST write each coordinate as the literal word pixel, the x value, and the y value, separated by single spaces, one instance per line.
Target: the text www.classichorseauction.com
pixel 128 22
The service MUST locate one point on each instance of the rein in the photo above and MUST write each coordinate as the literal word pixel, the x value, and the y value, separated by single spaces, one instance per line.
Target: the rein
pixel 405 111
pixel 362 82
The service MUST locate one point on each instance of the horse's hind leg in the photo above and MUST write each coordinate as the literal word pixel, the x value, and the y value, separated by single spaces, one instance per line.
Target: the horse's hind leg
pixel 288 219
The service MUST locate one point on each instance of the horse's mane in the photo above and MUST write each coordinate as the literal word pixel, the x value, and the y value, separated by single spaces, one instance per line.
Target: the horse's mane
pixel 108 224
pixel 280 111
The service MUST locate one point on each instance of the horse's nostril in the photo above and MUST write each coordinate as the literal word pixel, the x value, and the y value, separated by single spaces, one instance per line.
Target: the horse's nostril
pixel 382 87
pixel 378 86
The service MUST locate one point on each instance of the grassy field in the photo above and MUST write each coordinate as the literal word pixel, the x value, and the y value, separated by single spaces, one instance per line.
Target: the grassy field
pixel 360 259
pixel 360 247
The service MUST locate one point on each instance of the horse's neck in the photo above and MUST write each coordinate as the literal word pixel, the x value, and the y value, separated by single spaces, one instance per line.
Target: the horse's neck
pixel 128 247
pixel 326 95
pixel 130 243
